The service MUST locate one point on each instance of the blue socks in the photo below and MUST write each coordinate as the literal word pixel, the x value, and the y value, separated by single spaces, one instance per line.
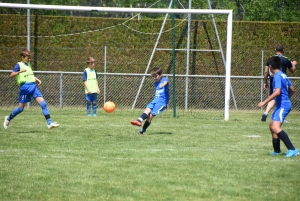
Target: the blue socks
pixel 88 107
pixel 94 108
pixel 14 113
pixel 45 111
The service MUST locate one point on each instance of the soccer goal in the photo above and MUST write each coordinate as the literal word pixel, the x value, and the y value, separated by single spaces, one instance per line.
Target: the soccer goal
pixel 160 37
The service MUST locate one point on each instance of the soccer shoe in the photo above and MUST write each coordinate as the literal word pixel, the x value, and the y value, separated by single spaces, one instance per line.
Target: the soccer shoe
pixel 264 117
pixel 6 122
pixel 291 153
pixel 94 115
pixel 136 123
pixel 53 125
pixel 274 153
pixel 89 115
pixel 142 131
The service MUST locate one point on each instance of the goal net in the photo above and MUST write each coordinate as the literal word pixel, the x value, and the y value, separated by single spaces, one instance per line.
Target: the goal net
pixel 192 46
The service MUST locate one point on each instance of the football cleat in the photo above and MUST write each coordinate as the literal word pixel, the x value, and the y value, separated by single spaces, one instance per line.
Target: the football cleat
pixel 291 153
pixel 136 123
pixel 53 125
pixel 6 122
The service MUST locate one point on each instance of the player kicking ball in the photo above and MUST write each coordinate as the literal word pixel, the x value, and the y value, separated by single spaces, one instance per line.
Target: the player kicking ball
pixel 28 88
pixel 282 91
pixel 158 104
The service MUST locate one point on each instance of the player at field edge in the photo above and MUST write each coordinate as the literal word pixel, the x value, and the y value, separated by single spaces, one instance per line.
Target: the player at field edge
pixel 28 88
pixel 285 64
pixel 159 102
pixel 283 90
pixel 91 86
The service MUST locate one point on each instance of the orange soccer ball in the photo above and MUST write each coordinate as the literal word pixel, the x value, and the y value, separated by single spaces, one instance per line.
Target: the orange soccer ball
pixel 109 107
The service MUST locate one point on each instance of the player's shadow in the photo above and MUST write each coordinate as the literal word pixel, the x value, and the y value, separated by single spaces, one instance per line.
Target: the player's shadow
pixel 25 132
pixel 161 133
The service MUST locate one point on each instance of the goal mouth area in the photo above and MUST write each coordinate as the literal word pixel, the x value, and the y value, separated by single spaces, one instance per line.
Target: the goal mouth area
pixel 151 10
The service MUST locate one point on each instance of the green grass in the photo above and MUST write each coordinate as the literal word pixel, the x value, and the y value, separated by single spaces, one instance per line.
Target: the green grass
pixel 184 158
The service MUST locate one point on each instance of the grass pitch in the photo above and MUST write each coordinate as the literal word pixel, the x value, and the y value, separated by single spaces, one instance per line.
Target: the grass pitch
pixel 184 158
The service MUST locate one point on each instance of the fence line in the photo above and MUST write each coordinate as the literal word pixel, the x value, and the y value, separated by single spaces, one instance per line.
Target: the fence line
pixel 65 90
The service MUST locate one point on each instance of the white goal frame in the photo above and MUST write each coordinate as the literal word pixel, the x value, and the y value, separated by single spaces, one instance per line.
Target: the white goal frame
pixel 153 10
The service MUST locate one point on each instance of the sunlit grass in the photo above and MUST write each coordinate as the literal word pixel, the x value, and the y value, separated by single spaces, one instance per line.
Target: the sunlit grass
pixel 184 158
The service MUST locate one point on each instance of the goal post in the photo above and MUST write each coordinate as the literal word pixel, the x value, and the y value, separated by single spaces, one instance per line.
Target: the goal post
pixel 157 11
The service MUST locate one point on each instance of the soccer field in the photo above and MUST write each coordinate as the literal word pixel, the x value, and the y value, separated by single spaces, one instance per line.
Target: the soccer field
pixel 184 158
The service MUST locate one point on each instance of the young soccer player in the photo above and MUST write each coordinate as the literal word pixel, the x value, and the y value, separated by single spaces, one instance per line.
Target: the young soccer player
pixel 158 104
pixel 282 92
pixel 28 88
pixel 91 86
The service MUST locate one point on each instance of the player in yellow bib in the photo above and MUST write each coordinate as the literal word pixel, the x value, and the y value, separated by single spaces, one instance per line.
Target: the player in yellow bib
pixel 91 86
pixel 28 88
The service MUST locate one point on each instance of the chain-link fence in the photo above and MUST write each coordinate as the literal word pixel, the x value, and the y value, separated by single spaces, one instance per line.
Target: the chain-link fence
pixel 200 88
pixel 205 93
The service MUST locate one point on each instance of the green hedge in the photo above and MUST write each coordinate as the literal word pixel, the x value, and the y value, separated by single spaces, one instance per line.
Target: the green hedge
pixel 75 38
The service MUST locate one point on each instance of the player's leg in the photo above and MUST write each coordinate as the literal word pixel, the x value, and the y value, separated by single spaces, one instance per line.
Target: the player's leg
pixel 94 104
pixel 88 98
pixel 275 141
pixel 143 116
pixel 270 104
pixel 146 124
pixel 37 95
pixel 277 119
pixel 158 108
pixel 41 101
pixel 24 97
pixel 13 114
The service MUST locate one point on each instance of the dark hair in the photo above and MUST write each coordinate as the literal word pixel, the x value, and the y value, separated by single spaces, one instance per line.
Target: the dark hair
pixel 275 62
pixel 156 71
pixel 25 53
pixel 279 48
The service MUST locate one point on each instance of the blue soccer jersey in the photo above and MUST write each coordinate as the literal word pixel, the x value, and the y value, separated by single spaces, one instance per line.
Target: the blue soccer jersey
pixel 282 81
pixel 162 93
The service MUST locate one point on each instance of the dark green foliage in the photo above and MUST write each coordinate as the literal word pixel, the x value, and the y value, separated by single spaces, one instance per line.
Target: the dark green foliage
pixel 63 43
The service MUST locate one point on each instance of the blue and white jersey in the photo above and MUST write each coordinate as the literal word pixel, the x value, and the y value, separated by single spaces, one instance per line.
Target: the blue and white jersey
pixel 162 93
pixel 283 82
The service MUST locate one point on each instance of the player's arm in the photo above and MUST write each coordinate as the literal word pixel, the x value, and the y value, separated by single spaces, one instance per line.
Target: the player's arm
pixel 293 68
pixel 271 97
pixel 38 81
pixel 98 90
pixel 165 82
pixel 84 78
pixel 291 91
pixel 87 86
pixel 16 71
pixel 266 73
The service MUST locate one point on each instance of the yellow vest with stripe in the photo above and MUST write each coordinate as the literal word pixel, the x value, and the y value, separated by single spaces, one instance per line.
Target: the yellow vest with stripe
pixel 26 76
pixel 91 79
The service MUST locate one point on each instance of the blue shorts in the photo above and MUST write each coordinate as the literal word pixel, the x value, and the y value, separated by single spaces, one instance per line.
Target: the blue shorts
pixel 156 108
pixel 91 97
pixel 280 114
pixel 27 91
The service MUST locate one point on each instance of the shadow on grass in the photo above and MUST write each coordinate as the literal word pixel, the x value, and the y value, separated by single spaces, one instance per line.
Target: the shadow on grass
pixel 160 133
pixel 25 132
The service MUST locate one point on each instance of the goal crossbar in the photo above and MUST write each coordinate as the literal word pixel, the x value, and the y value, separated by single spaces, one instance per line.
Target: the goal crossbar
pixel 152 10
pixel 114 9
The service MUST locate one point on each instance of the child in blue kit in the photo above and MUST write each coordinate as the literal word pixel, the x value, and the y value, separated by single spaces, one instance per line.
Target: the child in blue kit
pixel 282 91
pixel 158 104
pixel 91 86
pixel 28 88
